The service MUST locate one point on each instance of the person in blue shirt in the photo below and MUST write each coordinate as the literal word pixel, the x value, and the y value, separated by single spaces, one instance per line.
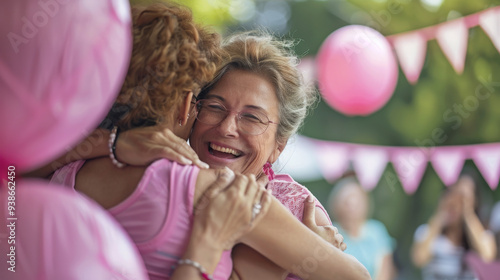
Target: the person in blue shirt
pixel 366 239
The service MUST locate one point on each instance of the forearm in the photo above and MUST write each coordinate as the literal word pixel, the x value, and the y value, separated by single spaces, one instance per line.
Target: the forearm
pixel 422 251
pixel 481 240
pixel 387 270
pixel 284 240
pixel 201 251
pixel 94 146
pixel 250 264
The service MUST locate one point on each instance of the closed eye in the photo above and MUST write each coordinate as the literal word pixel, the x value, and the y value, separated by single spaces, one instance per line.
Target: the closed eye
pixel 251 117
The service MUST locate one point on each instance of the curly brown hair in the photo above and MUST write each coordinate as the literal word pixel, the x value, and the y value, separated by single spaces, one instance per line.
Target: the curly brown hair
pixel 171 55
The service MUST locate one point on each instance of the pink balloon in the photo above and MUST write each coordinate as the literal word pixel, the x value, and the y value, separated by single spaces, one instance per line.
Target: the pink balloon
pixel 357 70
pixel 56 234
pixel 62 63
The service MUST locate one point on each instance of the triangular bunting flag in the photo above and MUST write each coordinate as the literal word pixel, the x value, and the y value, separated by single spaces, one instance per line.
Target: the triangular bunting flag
pixel 452 38
pixel 333 159
pixel 487 160
pixel 369 164
pixel 448 163
pixel 490 22
pixel 410 164
pixel 411 49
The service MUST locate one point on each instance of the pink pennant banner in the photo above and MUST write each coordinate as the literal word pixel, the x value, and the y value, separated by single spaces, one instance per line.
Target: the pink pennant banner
pixel 333 158
pixel 452 38
pixel 411 49
pixel 487 160
pixel 410 165
pixel 448 162
pixel 490 23
pixel 369 164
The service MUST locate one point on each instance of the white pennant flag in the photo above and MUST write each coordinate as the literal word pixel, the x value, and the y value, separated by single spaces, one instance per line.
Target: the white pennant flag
pixel 490 22
pixel 369 164
pixel 410 164
pixel 333 158
pixel 452 38
pixel 448 163
pixel 487 160
pixel 411 49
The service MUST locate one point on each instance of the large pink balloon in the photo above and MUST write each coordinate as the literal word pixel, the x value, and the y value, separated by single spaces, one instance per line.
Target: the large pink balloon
pixel 62 63
pixel 357 70
pixel 55 233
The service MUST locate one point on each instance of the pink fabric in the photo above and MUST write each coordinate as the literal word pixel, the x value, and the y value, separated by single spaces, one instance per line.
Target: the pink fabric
pixel 292 195
pixel 157 216
pixel 484 271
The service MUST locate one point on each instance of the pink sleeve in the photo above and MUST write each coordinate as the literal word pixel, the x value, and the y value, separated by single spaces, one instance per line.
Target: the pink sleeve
pixel 292 195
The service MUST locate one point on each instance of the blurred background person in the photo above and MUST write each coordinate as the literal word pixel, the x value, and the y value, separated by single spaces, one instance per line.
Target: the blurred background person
pixel 366 239
pixel 440 246
pixel 495 226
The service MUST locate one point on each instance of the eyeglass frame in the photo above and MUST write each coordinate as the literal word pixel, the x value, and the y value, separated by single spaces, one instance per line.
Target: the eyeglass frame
pixel 228 112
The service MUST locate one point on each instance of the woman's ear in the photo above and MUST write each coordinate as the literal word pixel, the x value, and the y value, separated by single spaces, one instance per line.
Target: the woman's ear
pixel 185 108
pixel 277 152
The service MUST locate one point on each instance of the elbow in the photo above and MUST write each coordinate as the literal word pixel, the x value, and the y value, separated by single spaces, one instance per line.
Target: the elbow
pixel 361 272
pixel 365 275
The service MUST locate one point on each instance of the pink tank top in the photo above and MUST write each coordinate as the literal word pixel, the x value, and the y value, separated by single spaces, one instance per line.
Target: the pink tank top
pixel 158 215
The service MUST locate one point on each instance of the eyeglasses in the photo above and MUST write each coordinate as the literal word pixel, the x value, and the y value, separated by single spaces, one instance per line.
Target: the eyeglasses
pixel 249 121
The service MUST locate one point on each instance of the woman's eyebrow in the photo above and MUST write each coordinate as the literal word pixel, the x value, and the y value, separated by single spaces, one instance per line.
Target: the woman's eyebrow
pixel 214 96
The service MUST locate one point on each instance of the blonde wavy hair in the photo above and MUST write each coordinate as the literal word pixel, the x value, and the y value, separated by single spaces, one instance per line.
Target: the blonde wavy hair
pixel 171 55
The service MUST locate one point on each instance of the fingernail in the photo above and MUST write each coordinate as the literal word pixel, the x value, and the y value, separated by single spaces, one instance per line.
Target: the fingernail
pixel 186 161
pixel 310 198
pixel 203 164
pixel 229 173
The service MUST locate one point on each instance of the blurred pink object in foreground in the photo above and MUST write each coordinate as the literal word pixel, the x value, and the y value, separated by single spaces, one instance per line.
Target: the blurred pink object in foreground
pixel 56 234
pixel 61 66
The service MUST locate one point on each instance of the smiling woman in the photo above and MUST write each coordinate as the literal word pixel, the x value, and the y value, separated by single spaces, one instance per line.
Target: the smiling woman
pixel 156 203
pixel 246 114
pixel 243 140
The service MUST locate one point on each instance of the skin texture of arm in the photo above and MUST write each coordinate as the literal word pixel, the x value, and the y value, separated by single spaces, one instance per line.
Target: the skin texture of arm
pixel 288 243
pixel 249 264
pixel 482 241
pixel 386 270
pixel 215 227
pixel 281 238
pixel 422 251
pixel 137 147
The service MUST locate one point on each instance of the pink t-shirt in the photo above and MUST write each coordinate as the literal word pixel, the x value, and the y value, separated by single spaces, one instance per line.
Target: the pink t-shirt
pixel 158 215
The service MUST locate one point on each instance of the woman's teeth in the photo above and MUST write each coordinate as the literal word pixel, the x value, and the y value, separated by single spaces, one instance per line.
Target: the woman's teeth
pixel 224 150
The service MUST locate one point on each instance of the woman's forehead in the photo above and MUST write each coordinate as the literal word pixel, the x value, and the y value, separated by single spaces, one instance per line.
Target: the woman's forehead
pixel 245 89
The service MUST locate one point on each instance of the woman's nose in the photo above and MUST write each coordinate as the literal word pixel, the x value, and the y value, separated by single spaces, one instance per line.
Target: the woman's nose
pixel 229 126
